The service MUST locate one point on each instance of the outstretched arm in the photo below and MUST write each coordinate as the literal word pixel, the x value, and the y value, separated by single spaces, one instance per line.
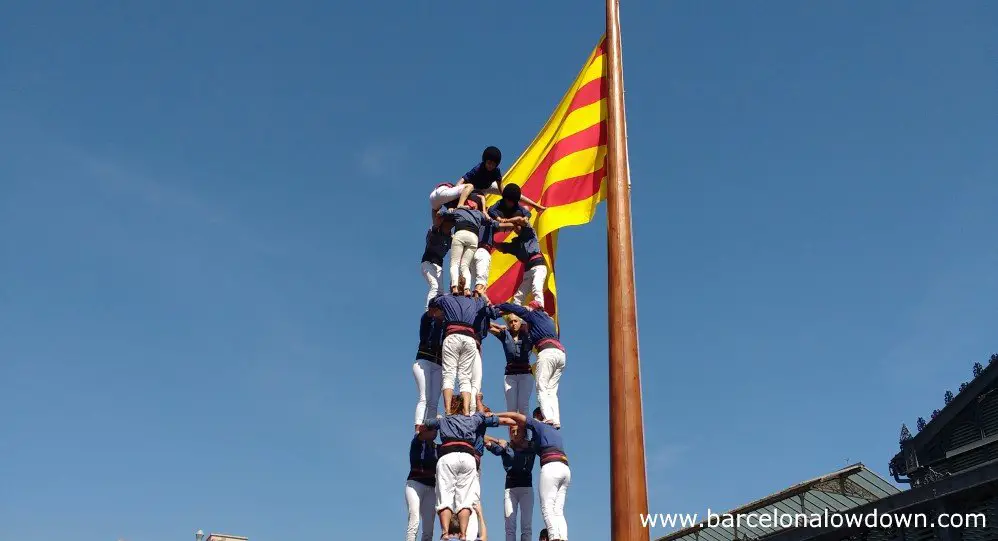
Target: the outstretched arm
pixel 512 418
pixel 532 203
pixel 496 330
pixel 510 308
pixel 482 532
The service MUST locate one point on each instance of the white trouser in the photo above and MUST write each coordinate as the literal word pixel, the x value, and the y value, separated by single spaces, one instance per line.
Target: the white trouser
pixel 429 377
pixel 519 499
pixel 518 388
pixel 476 380
pixel 481 263
pixel 533 282
pixel 419 498
pixel 442 195
pixel 432 273
pixel 459 352
pixel 547 374
pixel 462 251
pixel 555 479
pixel 455 481
pixel 472 532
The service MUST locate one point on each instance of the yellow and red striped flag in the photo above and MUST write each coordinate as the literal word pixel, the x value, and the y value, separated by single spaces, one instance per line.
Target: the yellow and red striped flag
pixel 564 169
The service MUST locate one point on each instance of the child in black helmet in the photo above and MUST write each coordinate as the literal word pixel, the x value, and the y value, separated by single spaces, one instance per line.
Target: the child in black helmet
pixel 487 178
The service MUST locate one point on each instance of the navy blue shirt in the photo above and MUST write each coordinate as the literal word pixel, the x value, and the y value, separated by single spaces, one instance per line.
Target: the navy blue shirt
pixel 498 210
pixel 525 247
pixel 486 235
pixel 437 244
pixel 517 353
pixel 472 312
pixel 466 219
pixel 541 325
pixel 547 441
pixel 431 337
pixel 466 429
pixel 518 464
pixel 423 461
pixel 482 178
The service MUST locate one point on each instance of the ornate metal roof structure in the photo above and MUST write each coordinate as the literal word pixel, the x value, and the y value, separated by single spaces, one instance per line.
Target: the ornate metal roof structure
pixel 838 491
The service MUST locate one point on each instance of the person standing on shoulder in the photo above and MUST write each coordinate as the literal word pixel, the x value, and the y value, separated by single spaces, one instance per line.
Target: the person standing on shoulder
pixel 426 369
pixel 506 215
pixel 551 357
pixel 462 318
pixel 469 222
pixel 555 477
pixel 432 264
pixel 517 379
pixel 527 249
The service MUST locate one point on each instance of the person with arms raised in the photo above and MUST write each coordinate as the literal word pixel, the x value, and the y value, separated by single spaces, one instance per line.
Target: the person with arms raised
pixel 504 219
pixel 527 249
pixel 551 357
pixel 555 476
pixel 455 474
pixel 518 497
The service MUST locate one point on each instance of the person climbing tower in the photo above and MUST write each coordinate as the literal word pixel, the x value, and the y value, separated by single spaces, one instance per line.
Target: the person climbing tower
pixel 469 221
pixel 461 317
pixel 551 355
pixel 525 247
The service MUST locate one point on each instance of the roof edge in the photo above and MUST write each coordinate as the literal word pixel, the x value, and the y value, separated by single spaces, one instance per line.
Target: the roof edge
pixel 773 498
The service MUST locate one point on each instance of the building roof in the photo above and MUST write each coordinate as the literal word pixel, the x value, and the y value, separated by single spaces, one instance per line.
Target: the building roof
pixel 950 411
pixel 838 491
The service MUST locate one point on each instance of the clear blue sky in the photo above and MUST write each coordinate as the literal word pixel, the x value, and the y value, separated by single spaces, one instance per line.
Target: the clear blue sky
pixel 211 218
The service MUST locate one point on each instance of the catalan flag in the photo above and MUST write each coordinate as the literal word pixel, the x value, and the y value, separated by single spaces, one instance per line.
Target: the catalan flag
pixel 564 169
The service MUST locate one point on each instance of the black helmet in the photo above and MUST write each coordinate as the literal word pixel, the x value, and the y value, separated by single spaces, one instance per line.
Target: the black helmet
pixel 511 192
pixel 492 154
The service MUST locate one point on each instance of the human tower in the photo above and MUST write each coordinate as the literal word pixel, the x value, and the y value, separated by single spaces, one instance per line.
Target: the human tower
pixel 445 456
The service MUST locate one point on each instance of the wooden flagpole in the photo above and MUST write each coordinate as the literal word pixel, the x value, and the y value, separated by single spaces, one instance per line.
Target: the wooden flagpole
pixel 628 483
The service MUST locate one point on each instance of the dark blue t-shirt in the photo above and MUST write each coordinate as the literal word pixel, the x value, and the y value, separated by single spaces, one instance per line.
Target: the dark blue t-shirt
pixel 519 464
pixel 481 178
pixel 547 442
pixel 423 461
pixel 462 428
pixel 517 353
